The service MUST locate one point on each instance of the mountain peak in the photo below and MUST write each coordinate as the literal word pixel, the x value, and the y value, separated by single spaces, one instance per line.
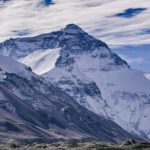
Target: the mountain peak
pixel 73 28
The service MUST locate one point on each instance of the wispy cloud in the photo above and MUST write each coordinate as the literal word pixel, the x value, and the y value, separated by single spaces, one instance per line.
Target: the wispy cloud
pixel 93 16
pixel 21 32
pixel 131 60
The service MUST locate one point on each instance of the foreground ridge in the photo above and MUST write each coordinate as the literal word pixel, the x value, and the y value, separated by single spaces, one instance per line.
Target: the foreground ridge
pixel 79 145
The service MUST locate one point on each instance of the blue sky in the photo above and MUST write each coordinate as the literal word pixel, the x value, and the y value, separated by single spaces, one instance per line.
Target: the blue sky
pixel 137 56
pixel 130 12
pixel 123 24
pixel 47 2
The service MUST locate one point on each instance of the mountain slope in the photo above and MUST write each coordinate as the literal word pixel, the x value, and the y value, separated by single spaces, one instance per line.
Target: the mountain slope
pixel 87 70
pixel 32 109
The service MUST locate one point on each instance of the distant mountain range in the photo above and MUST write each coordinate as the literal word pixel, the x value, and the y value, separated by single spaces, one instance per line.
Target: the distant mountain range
pixel 80 90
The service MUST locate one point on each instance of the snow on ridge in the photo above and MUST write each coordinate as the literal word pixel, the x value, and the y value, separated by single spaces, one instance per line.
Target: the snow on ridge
pixel 41 61
pixel 9 65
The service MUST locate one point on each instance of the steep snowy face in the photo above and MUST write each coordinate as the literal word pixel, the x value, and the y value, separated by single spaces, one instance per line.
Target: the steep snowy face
pixel 90 72
pixel 75 43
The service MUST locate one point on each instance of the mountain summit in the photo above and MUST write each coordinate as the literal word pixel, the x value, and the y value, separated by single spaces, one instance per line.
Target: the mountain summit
pixel 87 70
pixel 73 28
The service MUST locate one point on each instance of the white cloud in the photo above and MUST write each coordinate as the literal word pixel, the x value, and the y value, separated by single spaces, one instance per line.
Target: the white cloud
pixel 130 60
pixel 92 15
pixel 147 75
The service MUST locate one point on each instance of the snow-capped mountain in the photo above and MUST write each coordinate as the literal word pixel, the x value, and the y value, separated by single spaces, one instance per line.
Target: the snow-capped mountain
pixel 87 70
pixel 32 109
